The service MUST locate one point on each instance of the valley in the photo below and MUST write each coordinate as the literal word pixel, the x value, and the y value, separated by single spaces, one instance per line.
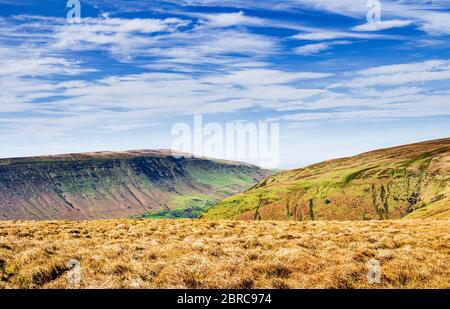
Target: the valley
pixel 324 226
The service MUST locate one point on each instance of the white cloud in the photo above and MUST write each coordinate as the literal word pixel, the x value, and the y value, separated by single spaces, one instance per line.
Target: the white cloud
pixel 212 47
pixel 388 113
pixel 378 93
pixel 383 25
pixel 264 77
pixel 322 35
pixel 33 67
pixel 231 19
pixel 432 19
pixel 399 92
pixel 311 49
pixel 127 39
pixel 421 72
pixel 133 101
pixel 435 23
pixel 206 75
pixel 414 107
pixel 124 38
pixel 406 67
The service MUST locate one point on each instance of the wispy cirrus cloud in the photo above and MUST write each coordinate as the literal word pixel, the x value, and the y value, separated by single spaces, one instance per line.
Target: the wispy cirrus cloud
pixel 136 66
pixel 401 74
pixel 230 19
pixel 384 92
pixel 383 25
pixel 322 35
pixel 311 49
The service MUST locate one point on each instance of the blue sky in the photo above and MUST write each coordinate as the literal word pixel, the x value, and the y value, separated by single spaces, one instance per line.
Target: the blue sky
pixel 121 77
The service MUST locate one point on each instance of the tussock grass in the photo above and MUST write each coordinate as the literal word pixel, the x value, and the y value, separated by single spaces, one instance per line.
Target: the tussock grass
pixel 225 254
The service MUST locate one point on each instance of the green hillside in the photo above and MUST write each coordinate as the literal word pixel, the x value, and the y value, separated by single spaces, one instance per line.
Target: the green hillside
pixel 411 181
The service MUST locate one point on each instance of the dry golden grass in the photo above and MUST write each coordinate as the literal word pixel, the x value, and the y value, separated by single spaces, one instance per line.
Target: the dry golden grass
pixel 225 254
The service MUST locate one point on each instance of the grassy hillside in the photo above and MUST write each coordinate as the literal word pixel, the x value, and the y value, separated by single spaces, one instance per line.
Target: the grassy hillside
pixel 118 184
pixel 411 181
pixel 224 254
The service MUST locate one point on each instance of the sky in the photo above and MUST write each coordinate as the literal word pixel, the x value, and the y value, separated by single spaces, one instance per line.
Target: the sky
pixel 126 72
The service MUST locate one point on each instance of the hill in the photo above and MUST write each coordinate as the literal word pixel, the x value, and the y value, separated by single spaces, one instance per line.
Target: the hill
pixel 118 184
pixel 411 181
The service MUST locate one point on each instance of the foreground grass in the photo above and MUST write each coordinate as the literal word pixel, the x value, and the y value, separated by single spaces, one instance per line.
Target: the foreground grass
pixel 225 254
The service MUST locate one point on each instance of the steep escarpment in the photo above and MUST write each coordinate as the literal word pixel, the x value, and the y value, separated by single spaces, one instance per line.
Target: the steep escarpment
pixel 411 181
pixel 115 184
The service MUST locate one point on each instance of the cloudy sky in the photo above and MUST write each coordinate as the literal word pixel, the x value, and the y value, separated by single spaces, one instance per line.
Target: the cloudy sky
pixel 129 70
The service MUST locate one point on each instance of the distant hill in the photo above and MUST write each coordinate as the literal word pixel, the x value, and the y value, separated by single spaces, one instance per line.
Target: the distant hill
pixel 410 181
pixel 118 184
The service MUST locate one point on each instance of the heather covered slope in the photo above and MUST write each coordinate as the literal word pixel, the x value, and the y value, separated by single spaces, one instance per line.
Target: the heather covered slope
pixel 410 181
pixel 117 184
